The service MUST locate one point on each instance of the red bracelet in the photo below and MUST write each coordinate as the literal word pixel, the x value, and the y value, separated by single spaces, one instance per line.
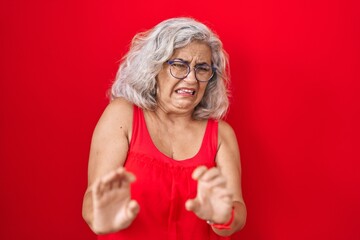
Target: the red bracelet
pixel 224 225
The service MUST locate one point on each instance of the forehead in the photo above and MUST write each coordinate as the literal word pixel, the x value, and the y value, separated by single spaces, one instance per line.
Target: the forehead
pixel 198 51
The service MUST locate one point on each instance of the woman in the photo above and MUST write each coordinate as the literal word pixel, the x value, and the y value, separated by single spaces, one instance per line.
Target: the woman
pixel 162 163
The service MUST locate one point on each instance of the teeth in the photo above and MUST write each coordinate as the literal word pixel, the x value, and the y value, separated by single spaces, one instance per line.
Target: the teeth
pixel 185 91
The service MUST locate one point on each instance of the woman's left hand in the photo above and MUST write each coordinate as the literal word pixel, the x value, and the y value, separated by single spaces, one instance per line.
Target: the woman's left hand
pixel 213 201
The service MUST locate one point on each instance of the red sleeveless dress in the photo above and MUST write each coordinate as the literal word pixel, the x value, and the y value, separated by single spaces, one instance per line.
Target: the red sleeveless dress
pixel 162 187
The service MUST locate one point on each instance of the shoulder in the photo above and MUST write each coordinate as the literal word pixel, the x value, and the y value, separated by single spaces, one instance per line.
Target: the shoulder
pixel 223 125
pixel 117 115
pixel 228 149
pixel 226 134
pixel 119 109
pixel 225 129
pixel 119 105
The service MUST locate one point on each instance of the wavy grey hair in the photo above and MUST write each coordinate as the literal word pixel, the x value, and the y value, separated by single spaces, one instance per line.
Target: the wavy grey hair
pixel 136 78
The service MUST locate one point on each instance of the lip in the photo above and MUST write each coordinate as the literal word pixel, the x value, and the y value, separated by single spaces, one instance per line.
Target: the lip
pixel 185 91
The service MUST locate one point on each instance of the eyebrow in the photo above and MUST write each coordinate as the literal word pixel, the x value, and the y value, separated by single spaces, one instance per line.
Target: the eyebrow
pixel 200 63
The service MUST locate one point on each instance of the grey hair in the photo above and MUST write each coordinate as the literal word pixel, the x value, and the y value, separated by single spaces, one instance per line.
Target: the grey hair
pixel 136 78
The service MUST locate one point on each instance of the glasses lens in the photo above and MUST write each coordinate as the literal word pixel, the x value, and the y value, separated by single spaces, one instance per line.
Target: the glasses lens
pixel 203 72
pixel 179 69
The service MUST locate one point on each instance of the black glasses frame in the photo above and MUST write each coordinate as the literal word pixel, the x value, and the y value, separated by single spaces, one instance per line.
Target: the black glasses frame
pixel 171 62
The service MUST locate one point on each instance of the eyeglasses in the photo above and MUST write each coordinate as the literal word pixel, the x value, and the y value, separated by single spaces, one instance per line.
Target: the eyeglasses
pixel 180 70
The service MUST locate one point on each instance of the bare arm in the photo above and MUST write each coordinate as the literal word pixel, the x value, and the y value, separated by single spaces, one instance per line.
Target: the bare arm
pixel 108 152
pixel 228 160
pixel 219 188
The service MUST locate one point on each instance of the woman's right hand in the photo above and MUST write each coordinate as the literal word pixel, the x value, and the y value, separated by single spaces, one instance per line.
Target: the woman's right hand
pixel 113 208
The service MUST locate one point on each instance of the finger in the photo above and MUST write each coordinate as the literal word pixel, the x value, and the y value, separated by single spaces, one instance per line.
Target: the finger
pixel 224 194
pixel 192 205
pixel 211 174
pixel 112 180
pixel 133 209
pixel 126 175
pixel 96 190
pixel 130 177
pixel 116 178
pixel 103 186
pixel 218 181
pixel 109 176
pixel 198 172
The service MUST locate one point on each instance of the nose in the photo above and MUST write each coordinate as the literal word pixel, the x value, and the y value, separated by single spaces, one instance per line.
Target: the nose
pixel 190 78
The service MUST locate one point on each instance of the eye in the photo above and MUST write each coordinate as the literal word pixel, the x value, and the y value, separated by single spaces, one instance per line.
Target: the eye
pixel 203 68
pixel 179 65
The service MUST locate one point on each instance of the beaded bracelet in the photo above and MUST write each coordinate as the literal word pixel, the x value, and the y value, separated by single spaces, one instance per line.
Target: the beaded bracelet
pixel 224 225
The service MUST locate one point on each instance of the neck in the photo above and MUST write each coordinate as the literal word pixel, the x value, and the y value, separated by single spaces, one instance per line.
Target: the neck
pixel 170 118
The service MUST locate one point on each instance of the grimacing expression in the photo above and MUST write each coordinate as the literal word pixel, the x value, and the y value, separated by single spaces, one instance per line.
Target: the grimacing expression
pixel 183 95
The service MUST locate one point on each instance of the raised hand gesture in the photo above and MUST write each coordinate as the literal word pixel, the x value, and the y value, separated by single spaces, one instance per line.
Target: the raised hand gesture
pixel 113 208
pixel 213 201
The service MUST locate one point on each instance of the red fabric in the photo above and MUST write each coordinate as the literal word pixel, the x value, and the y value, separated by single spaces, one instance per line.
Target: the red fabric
pixel 162 187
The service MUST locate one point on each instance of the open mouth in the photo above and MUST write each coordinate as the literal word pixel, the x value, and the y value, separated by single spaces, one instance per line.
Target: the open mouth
pixel 185 91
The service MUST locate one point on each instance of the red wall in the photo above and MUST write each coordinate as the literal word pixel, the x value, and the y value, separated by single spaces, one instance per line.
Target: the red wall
pixel 296 108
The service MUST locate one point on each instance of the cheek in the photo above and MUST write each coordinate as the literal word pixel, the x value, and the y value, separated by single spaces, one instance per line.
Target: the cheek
pixel 160 83
pixel 163 79
pixel 203 88
pixel 164 87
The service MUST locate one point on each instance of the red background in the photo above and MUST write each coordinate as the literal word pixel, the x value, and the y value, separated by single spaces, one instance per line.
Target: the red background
pixel 295 70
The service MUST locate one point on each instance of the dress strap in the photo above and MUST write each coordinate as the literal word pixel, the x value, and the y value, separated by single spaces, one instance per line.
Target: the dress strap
pixel 135 125
pixel 210 141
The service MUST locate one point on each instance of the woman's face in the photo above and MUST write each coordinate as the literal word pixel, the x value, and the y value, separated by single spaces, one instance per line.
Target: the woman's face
pixel 182 96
